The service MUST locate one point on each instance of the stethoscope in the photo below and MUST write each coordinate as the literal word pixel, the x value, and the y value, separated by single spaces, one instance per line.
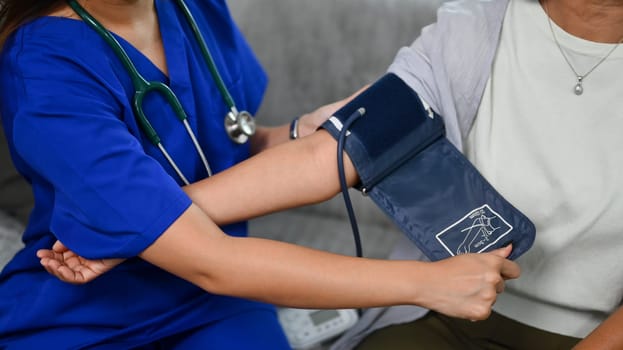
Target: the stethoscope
pixel 239 125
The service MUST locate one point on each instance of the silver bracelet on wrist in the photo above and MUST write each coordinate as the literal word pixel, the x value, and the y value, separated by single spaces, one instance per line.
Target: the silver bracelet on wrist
pixel 294 129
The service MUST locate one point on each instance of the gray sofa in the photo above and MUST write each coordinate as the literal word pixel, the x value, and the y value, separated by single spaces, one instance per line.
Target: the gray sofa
pixel 315 52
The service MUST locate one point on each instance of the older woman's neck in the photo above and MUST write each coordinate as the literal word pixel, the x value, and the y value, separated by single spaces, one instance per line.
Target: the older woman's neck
pixel 594 20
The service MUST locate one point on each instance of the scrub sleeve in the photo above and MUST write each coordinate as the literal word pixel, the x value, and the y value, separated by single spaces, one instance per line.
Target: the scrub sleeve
pixel 110 198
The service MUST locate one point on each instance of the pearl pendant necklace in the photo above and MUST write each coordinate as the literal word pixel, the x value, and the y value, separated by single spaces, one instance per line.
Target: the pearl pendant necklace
pixel 578 89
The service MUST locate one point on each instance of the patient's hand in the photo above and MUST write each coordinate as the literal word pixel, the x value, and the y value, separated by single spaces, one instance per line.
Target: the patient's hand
pixel 310 122
pixel 72 268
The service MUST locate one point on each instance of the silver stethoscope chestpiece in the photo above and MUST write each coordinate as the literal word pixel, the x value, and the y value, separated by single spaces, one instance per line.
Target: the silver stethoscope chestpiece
pixel 239 126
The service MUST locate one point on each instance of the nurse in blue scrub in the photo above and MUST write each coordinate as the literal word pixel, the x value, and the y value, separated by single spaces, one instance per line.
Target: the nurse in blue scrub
pixel 175 268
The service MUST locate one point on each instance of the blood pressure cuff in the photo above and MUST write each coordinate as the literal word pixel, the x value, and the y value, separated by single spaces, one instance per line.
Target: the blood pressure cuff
pixel 420 180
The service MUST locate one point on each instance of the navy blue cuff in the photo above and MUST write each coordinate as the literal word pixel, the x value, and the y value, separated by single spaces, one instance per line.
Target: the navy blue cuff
pixel 420 180
pixel 395 127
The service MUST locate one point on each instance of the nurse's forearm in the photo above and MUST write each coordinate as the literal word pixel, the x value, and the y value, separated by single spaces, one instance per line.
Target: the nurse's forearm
pixel 291 174
pixel 195 249
pixel 273 271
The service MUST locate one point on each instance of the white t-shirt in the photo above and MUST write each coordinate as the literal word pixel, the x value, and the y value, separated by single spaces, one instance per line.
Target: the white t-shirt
pixel 557 157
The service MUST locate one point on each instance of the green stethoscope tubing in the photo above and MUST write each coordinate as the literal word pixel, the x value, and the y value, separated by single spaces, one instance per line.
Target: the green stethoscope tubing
pixel 239 125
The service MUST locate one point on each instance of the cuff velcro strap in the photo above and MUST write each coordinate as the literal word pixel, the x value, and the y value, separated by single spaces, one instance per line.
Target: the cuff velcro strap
pixel 395 126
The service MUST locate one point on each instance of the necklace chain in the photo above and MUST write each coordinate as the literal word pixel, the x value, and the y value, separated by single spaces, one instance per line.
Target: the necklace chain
pixel 578 89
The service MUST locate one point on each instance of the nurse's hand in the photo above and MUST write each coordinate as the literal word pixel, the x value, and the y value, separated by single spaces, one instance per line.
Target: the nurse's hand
pixel 72 268
pixel 466 286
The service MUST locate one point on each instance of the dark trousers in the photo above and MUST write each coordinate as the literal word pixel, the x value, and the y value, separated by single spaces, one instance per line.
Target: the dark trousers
pixel 439 332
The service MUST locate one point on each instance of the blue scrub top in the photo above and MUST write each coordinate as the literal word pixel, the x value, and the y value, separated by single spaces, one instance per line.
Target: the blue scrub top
pixel 101 187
